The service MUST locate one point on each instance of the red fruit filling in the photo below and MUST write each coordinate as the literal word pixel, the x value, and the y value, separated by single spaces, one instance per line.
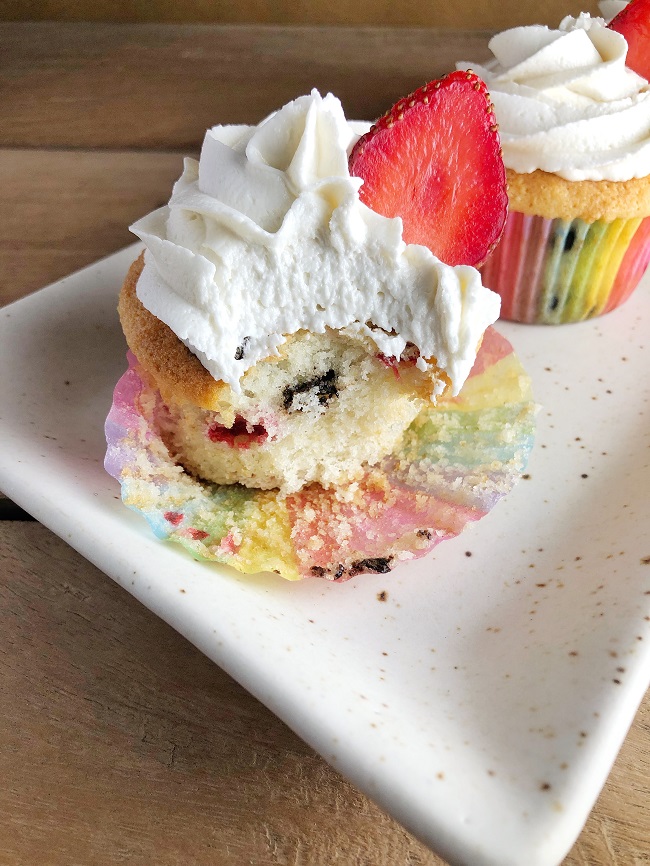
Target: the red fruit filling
pixel 408 358
pixel 633 22
pixel 389 362
pixel 173 517
pixel 242 434
pixel 435 161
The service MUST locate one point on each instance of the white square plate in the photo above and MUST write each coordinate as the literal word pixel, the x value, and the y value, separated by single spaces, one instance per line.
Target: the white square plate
pixel 483 701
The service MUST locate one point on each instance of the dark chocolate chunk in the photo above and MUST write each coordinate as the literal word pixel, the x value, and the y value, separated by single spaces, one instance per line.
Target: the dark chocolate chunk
pixel 570 239
pixel 240 351
pixel 379 564
pixel 324 387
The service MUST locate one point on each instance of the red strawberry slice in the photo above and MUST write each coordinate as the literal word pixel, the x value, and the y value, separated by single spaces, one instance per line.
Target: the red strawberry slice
pixel 435 160
pixel 633 22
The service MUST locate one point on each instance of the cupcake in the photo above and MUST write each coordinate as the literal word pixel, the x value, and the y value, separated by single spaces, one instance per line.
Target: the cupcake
pixel 301 325
pixel 291 331
pixel 317 411
pixel 573 108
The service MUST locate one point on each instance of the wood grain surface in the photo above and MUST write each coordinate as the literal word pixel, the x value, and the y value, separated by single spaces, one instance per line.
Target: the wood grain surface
pixel 159 87
pixel 436 13
pixel 120 742
pixel 63 209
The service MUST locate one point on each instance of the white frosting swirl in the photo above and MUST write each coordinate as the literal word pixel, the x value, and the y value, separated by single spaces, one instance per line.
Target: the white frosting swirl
pixel 266 236
pixel 566 103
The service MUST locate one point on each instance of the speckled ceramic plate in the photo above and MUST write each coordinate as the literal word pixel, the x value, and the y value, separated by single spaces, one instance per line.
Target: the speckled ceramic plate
pixel 479 694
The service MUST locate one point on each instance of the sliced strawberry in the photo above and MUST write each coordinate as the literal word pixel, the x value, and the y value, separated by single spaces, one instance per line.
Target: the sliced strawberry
pixel 633 22
pixel 435 160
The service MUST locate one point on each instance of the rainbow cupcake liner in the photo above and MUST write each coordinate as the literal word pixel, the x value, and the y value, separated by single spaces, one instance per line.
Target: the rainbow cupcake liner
pixel 557 271
pixel 454 463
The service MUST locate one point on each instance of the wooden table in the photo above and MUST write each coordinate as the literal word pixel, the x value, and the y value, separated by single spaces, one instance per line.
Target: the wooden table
pixel 120 742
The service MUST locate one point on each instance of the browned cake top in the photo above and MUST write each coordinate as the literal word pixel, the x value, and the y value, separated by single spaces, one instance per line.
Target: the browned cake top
pixel 177 373
pixel 547 195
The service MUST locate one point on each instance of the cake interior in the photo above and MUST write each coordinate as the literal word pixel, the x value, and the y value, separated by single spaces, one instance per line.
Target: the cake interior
pixel 320 412
pixel 327 407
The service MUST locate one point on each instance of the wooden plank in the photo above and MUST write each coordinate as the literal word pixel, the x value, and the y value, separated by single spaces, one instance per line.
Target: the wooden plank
pixel 407 13
pixel 122 743
pixel 65 209
pixel 160 86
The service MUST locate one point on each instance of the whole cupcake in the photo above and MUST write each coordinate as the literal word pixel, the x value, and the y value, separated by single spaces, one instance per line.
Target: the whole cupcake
pixel 573 108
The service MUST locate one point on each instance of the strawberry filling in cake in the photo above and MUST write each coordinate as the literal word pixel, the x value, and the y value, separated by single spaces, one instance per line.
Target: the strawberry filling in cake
pixel 242 434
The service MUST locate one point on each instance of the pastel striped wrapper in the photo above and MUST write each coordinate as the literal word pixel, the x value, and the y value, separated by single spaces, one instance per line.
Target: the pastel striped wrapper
pixel 454 464
pixel 555 271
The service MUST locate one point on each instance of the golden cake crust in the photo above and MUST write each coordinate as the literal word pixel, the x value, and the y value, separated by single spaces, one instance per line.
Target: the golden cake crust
pixel 547 195
pixel 177 373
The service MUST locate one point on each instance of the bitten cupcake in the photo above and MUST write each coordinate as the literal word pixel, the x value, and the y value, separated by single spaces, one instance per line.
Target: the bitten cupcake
pixel 313 385
pixel 291 331
pixel 573 108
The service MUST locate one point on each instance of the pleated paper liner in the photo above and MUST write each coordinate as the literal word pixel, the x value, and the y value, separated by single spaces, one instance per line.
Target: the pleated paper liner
pixel 455 462
pixel 559 271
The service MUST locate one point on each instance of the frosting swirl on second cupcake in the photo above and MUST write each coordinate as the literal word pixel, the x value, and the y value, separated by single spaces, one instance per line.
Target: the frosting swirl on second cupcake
pixel 566 103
